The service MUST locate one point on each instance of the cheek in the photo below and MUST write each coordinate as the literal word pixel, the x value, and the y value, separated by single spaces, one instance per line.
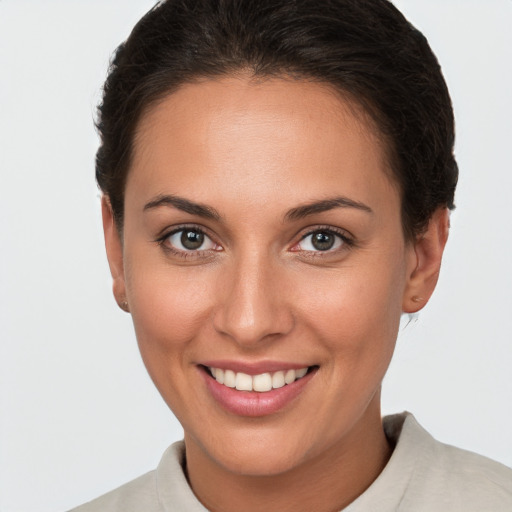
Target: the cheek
pixel 356 312
pixel 170 312
pixel 169 307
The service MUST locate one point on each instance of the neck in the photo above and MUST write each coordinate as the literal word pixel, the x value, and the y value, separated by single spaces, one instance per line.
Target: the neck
pixel 326 483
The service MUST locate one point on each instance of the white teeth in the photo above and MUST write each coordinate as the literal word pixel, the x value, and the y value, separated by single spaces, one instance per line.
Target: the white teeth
pixel 289 376
pixel 243 382
pixel 219 375
pixel 229 379
pixel 261 383
pixel 301 372
pixel 278 380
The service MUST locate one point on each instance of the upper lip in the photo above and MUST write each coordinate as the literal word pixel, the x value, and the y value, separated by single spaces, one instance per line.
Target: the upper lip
pixel 253 368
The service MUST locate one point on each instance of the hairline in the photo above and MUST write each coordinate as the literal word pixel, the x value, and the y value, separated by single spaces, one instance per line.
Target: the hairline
pixel 363 110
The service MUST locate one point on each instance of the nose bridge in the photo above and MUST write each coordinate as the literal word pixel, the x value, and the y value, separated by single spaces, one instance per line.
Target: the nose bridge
pixel 251 307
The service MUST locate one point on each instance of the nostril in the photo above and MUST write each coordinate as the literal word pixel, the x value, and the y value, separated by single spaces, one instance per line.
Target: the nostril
pixel 252 322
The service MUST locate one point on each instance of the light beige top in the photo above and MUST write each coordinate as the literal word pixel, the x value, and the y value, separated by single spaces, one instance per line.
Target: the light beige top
pixel 423 475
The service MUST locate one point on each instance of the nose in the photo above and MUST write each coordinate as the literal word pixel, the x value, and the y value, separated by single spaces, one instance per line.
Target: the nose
pixel 254 304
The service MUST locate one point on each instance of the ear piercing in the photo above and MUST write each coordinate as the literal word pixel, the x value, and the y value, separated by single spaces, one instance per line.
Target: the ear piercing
pixel 124 306
pixel 417 299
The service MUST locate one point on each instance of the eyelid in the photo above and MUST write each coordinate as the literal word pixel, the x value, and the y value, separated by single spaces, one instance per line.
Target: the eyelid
pixel 346 237
pixel 171 230
pixel 348 240
pixel 167 232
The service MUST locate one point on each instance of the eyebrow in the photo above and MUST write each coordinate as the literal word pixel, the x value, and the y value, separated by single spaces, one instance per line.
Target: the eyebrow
pixel 296 213
pixel 326 204
pixel 184 205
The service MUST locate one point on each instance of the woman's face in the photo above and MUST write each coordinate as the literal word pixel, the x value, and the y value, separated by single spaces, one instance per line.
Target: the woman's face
pixel 262 234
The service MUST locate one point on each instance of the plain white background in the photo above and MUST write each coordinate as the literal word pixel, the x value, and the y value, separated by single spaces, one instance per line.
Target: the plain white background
pixel 79 415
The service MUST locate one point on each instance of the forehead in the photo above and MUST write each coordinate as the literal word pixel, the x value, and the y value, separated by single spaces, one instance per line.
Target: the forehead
pixel 233 135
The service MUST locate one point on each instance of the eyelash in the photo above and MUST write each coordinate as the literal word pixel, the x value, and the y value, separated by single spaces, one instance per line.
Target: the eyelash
pixel 161 240
pixel 346 240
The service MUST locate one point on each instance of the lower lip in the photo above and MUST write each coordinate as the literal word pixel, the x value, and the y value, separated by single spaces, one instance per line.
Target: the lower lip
pixel 253 403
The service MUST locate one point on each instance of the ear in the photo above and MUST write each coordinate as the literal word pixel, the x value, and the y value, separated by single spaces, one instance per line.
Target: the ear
pixel 114 248
pixel 428 250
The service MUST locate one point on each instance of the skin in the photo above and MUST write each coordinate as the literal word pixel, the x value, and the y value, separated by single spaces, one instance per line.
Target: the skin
pixel 259 291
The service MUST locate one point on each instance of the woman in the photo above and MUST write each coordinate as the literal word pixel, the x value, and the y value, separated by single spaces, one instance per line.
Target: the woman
pixel 277 181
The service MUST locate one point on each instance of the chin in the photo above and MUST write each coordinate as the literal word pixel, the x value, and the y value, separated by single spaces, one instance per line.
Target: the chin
pixel 257 451
pixel 260 462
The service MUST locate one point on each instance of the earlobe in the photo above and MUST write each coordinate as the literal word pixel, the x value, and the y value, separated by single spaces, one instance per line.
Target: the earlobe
pixel 428 251
pixel 114 248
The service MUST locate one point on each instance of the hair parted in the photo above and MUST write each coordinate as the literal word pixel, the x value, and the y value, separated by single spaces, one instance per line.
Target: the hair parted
pixel 363 48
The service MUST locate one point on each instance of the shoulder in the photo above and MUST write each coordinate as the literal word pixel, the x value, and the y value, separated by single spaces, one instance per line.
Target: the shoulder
pixel 139 494
pixel 450 478
pixel 465 477
pixel 165 488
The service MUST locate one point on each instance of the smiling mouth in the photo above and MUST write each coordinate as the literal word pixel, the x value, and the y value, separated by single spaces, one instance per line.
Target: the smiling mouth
pixel 260 383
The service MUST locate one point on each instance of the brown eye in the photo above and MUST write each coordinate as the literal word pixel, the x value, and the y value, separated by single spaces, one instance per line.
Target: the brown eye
pixel 322 241
pixel 190 239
